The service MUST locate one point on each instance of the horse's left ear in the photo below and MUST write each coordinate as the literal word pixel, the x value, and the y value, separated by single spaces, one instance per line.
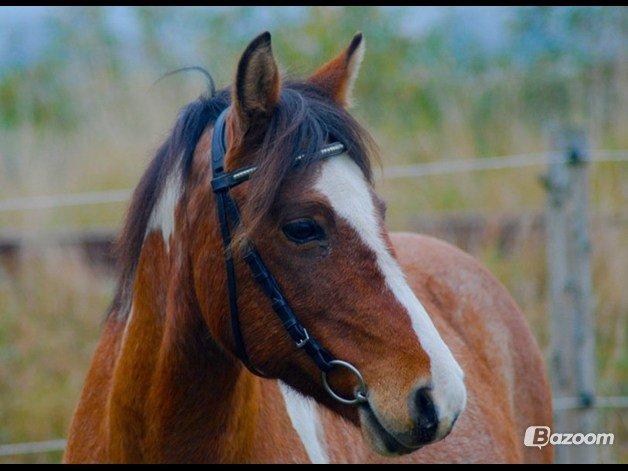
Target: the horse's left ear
pixel 336 77
pixel 257 83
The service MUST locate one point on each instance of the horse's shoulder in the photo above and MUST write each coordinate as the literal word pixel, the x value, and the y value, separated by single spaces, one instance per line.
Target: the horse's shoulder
pixel 426 250
pixel 471 308
pixel 449 277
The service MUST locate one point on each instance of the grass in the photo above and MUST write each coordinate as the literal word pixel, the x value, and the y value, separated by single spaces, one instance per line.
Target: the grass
pixel 51 310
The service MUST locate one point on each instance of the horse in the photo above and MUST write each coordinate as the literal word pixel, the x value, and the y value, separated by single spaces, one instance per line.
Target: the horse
pixel 420 354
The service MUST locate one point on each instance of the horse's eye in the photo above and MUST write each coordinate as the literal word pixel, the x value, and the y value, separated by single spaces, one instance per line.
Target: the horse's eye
pixel 303 230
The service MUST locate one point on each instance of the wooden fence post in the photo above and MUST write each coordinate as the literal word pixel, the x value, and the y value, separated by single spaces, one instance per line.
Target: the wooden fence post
pixel 572 363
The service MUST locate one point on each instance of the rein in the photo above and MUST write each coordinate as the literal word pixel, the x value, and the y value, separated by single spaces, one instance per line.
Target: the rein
pixel 229 219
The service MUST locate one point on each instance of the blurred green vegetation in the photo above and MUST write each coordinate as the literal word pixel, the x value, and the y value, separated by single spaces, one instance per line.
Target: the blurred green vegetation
pixel 81 113
pixel 551 64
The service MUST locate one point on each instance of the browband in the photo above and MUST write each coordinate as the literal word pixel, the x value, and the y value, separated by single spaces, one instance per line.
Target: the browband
pixel 231 179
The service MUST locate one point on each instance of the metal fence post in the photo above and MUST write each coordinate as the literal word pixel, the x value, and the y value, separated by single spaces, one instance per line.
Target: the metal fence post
pixel 572 362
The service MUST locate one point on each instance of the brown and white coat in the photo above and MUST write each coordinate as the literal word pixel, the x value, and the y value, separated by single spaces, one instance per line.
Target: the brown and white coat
pixel 438 340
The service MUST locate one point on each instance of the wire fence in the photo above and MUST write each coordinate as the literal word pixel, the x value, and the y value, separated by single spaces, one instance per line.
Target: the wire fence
pixel 29 203
pixel 571 403
pixel 29 448
pixel 445 167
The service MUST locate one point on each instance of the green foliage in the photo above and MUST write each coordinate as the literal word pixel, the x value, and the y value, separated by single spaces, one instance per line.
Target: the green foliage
pixel 555 63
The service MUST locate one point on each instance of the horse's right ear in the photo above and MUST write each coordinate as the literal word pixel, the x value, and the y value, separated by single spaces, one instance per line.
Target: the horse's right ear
pixel 336 77
pixel 257 83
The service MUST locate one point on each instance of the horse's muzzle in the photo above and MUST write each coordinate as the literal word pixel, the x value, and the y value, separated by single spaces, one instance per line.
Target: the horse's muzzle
pixel 427 426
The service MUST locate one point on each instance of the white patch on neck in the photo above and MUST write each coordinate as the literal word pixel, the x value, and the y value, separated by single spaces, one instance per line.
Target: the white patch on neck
pixel 343 183
pixel 305 421
pixel 163 216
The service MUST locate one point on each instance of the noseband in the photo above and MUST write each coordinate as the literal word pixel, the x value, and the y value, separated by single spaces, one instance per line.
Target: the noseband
pixel 229 218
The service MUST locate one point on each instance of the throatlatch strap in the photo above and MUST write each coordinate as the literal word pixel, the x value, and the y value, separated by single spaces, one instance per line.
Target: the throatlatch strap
pixel 229 216
pixel 223 206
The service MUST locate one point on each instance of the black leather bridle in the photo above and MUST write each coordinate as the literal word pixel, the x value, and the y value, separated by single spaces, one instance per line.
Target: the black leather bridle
pixel 229 218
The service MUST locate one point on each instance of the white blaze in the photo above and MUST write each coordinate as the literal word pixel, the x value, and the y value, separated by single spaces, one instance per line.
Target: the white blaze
pixel 344 185
pixel 305 421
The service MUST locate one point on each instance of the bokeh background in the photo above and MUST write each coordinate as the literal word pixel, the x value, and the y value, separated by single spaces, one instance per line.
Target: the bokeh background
pixel 79 112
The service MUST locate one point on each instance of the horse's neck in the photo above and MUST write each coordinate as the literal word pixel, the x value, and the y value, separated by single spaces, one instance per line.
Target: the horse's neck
pixel 203 407
pixel 176 396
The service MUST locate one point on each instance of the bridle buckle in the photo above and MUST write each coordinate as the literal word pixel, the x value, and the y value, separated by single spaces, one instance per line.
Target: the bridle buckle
pixel 301 343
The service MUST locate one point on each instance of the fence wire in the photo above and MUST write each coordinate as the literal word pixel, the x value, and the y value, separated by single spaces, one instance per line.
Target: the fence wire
pixel 59 201
pixel 445 167
pixel 30 448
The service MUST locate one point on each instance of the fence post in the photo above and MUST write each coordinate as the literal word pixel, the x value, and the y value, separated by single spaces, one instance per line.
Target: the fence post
pixel 572 362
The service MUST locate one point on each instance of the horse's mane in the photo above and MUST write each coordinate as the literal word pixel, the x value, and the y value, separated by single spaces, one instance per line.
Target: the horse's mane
pixel 303 121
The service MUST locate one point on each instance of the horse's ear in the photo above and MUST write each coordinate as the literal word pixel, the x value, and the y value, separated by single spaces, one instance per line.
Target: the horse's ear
pixel 257 83
pixel 336 77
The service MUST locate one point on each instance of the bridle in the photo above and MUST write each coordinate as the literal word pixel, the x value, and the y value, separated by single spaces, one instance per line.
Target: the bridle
pixel 229 218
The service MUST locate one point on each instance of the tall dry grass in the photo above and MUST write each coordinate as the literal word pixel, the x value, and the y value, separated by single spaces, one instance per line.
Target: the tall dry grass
pixel 52 304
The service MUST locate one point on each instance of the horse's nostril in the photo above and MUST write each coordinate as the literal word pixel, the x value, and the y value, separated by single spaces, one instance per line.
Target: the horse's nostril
pixel 426 418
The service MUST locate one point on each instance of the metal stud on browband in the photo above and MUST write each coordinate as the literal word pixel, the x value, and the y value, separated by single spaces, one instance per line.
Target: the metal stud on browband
pixel 231 179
